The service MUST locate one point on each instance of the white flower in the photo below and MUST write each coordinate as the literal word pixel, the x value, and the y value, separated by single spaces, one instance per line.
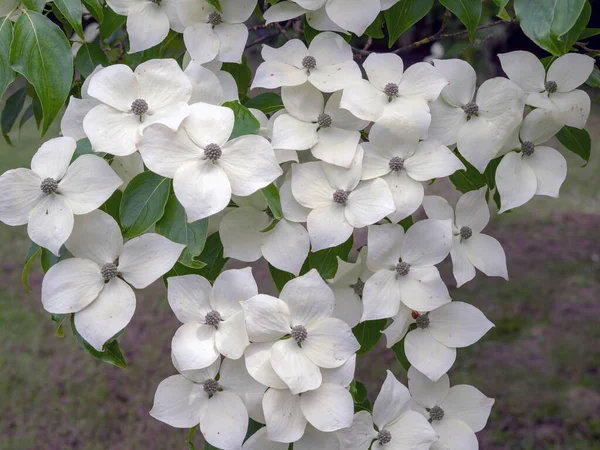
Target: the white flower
pixel 557 90
pixel 404 267
pixel 402 96
pixel 398 428
pixel 311 439
pixel 479 126
pixel 210 84
pixel 71 124
pixel 148 21
pixel 431 346
pixel 196 397
pixel 332 134
pixel 93 284
pixel 47 196
pixel 212 317
pixel 347 287
pixel 339 201
pixel 456 412
pixel 285 245
pixel 331 15
pixel 470 248
pixel 205 165
pixel 328 408
pixel 156 92
pixel 127 167
pixel 536 169
pixel 266 130
pixel 403 163
pixel 328 64
pixel 210 34
pixel 314 339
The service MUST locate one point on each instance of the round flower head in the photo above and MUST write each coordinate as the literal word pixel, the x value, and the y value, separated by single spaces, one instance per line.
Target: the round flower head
pixel 156 92
pixel 205 165
pixel 328 64
pixel 47 196
pixel 555 90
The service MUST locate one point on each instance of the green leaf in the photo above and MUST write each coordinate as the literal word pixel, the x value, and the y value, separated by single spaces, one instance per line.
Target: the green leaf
pixel 12 109
pixel 111 353
pixel 241 74
pixel 59 319
pixel 42 54
pixel 216 4
pixel 490 172
pixel 190 437
pixel 280 277
pixel 400 354
pixel 174 226
pixel 253 427
pixel 7 75
pixel 34 5
pixel 566 42
pixel 325 261
pixel 84 147
pixel 245 122
pixel 271 195
pixel 545 21
pixel 95 9
pixel 143 203
pixel 360 396
pixel 269 102
pixel 72 10
pixel 207 446
pixel 111 23
pixel 576 141
pixel 368 334
pixel 407 223
pixel 88 57
pixel 32 254
pixel 28 114
pixel 502 9
pixel 212 256
pixel 112 206
pixel 468 12
pixel 588 33
pixel 467 180
pixel 309 32
pixel 49 259
pixel 594 78
pixel 375 30
pixel 404 15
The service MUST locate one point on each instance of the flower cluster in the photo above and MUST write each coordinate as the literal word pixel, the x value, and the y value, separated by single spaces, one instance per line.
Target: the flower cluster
pixel 344 153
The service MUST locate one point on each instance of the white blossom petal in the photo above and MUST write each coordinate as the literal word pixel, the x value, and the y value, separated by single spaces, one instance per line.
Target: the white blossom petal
pixel 570 71
pixel 292 365
pixel 179 402
pixel 50 222
pixel 286 246
pixel 308 297
pixel 462 268
pixel 364 101
pixel 304 102
pixel 469 405
pixel 411 432
pixel 446 122
pixel 348 305
pixel 188 296
pixel 397 330
pixel 458 324
pixel 429 356
pixel 330 343
pixel 224 421
pixel 193 346
pixel 230 288
pixel 329 408
pixel 283 11
pixel 267 318
pixel 147 26
pixel 406 192
pixel 360 435
pixel 258 363
pixel 202 42
pixel 285 420
pixel 472 210
pixel 432 160
pixel 336 146
pixel 240 232
pixel 525 69
pixel 454 434
pixel 53 158
pixel 461 81
pixel 112 131
pixel 550 169
pixel 391 402
pixel 127 168
pixel 233 38
pixel 19 193
pixel 231 337
pixel 383 69
pixel 515 180
pixel 572 108
pixel 116 86
pixel 71 123
pixel 422 80
pixel 486 253
pixel 290 133
pixel 423 289
pixel 96 236
pixel 273 74
pixel 384 244
pixel 328 226
pixel 427 242
pixel 438 208
pixel 209 124
pixel 381 298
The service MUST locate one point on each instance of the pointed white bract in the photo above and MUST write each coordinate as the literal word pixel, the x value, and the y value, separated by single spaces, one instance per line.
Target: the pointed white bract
pixel 95 284
pixel 48 196
pixel 470 248
pixel 456 413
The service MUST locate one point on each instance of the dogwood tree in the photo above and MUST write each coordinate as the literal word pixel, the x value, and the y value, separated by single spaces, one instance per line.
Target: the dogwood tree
pixel 173 159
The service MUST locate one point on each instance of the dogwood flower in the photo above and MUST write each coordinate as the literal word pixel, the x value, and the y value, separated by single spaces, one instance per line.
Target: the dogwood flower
pixel 347 286
pixel 211 397
pixel 212 317
pixel 71 124
pixel 456 413
pixel 332 134
pixel 310 440
pixel 156 92
pixel 404 266
pixel 210 34
pixel 48 196
pixel 148 21
pixel 331 15
pixel 470 248
pixel 402 96
pixel 398 428
pixel 339 201
pixel 328 64
pixel 403 163
pixel 536 169
pixel 210 84
pixel 94 285
pixel 431 346
pixel 266 130
pixel 205 165
pixel 285 245
pixel 479 125
pixel 556 90
pixel 328 408
pixel 314 339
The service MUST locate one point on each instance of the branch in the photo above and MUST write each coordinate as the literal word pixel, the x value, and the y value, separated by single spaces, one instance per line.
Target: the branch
pixel 585 48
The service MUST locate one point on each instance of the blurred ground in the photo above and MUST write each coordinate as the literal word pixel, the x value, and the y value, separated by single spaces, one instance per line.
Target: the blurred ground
pixel 541 362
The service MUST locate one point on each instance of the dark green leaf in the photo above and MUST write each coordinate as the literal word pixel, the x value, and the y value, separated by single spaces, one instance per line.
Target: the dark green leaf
pixel 468 11
pixel 490 172
pixel 360 396
pixel 174 226
pixel 212 256
pixel 111 23
pixel 34 5
pixel 12 109
pixel 467 180
pixel 112 206
pixel 280 277
pixel 84 147
pixel 190 437
pixel 576 141
pixel 545 21
pixel 95 9
pixel 241 74
pixel 269 102
pixel 375 30
pixel 245 122
pixel 565 43
pixel 42 54
pixel 111 353
pixel 309 32
pixel 59 319
pixel 403 15
pixel 253 427
pixel 216 4
pixel 407 223
pixel 7 75
pixel 271 195
pixel 27 114
pixel 72 10
pixel 88 57
pixel 207 446
pixel 589 32
pixel 32 254
pixel 368 334
pixel 325 261
pixel 49 259
pixel 594 79
pixel 398 350
pixel 143 203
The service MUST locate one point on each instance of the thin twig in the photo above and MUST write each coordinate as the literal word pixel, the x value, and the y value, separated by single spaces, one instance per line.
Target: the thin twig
pixel 262 39
pixel 585 48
